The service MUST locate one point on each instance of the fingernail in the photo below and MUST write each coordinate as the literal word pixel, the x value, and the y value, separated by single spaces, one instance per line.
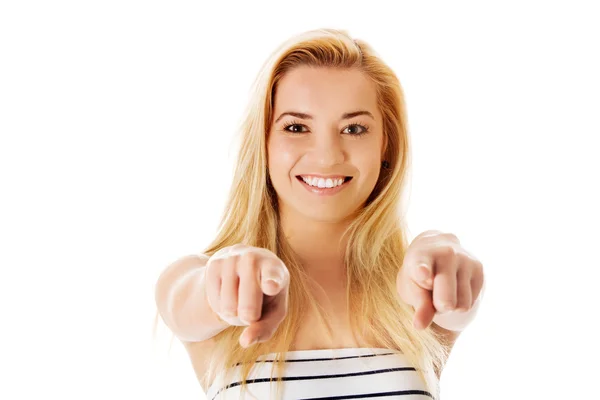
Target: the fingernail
pixel 417 324
pixel 276 281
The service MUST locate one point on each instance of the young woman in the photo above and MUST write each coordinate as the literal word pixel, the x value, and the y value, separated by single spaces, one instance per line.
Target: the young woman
pixel 311 289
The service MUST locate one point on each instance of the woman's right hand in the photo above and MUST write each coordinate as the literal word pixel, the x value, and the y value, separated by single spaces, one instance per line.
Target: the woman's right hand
pixel 248 286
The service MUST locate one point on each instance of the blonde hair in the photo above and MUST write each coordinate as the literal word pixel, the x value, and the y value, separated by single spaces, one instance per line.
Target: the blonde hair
pixel 376 238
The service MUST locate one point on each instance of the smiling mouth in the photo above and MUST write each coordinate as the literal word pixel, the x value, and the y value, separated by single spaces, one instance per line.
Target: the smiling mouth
pixel 346 179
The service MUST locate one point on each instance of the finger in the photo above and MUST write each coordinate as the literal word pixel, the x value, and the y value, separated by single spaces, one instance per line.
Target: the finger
pixel 213 285
pixel 250 294
pixel 423 275
pixel 424 310
pixel 477 284
pixel 463 295
pixel 444 284
pixel 229 288
pixel 411 293
pixel 273 314
pixel 273 277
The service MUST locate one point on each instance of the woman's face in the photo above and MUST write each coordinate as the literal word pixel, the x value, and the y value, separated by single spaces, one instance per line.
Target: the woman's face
pixel 326 124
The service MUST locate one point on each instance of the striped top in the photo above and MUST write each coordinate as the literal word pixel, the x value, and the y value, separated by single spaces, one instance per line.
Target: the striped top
pixel 350 373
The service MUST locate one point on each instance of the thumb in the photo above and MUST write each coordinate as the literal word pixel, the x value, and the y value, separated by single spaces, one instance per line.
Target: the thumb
pixel 423 275
pixel 272 280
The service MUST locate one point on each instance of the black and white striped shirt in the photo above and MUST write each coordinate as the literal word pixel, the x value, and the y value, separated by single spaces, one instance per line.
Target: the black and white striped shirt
pixel 350 373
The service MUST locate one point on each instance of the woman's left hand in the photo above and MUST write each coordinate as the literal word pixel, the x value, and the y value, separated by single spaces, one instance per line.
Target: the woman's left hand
pixel 439 276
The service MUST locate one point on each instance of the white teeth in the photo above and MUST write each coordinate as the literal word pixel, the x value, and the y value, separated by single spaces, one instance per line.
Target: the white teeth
pixel 323 183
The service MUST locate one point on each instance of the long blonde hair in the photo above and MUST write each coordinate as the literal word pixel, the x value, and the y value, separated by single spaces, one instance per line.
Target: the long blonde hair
pixel 377 238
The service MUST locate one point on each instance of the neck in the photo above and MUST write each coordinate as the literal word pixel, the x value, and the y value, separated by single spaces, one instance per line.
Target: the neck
pixel 318 244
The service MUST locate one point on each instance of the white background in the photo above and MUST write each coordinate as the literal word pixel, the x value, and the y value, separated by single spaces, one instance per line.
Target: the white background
pixel 117 121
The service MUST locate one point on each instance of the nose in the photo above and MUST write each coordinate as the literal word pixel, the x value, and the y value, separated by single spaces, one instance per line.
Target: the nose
pixel 328 149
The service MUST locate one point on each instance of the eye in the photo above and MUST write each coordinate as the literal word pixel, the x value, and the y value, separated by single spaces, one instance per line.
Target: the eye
pixel 294 128
pixel 356 129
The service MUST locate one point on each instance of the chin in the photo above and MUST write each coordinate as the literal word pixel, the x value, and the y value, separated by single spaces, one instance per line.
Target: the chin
pixel 325 214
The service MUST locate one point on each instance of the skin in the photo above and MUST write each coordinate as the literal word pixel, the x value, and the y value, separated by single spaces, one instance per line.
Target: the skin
pixel 323 145
pixel 442 281
pixel 446 294
pixel 439 278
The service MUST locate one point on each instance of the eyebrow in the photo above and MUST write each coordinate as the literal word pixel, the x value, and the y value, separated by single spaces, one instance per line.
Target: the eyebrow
pixel 308 116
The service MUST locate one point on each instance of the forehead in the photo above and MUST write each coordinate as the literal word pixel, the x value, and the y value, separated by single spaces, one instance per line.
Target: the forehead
pixel 325 92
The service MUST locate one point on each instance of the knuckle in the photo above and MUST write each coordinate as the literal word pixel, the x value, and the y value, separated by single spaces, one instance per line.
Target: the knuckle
pixel 464 294
pixel 249 259
pixel 228 269
pixel 464 302
pixel 447 252
pixel 228 287
pixel 228 306
pixel 429 233
pixel 477 274
pixel 451 236
pixel 446 297
pixel 213 265
pixel 248 308
pixel 247 271
pixel 251 313
pixel 478 267
pixel 477 280
pixel 229 303
pixel 228 309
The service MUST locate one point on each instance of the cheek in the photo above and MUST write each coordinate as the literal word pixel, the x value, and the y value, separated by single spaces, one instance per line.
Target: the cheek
pixel 369 165
pixel 282 152
pixel 372 172
pixel 282 158
pixel 367 159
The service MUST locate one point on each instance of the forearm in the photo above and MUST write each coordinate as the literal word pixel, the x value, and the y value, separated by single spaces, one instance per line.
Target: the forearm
pixel 182 301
